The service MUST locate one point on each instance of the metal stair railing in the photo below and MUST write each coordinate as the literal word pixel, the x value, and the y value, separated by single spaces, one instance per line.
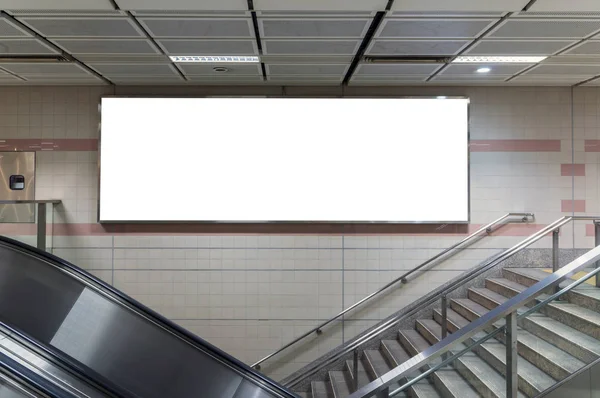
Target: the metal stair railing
pixel 508 311
pixel 487 229
pixel 441 295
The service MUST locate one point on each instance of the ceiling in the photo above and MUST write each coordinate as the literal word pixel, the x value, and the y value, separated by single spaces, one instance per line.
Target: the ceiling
pixel 128 42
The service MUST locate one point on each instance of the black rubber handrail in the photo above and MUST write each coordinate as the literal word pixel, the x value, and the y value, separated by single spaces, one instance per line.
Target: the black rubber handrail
pixel 68 364
pixel 97 284
pixel 21 375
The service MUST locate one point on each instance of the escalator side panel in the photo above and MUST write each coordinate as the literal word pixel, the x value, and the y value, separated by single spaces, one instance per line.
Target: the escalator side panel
pixel 115 342
pixel 34 298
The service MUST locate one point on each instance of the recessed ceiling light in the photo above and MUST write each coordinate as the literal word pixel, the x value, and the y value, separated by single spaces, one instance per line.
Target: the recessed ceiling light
pixel 220 69
pixel 498 60
pixel 484 70
pixel 215 59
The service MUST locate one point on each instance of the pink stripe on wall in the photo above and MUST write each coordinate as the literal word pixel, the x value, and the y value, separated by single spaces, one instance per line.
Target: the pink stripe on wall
pixel 568 170
pixel 514 145
pixel 569 206
pixel 590 230
pixel 592 145
pixel 49 144
pixel 258 229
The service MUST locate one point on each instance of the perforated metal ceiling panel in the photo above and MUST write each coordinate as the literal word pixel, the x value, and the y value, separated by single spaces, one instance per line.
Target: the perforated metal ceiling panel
pixel 209 47
pixel 109 70
pixel 562 6
pixel 568 70
pixel 306 47
pixel 546 29
pixel 232 69
pixel 320 5
pixel 399 69
pixel 225 79
pixel 24 46
pixel 67 5
pixel 313 28
pixel 433 28
pixel 25 69
pixel 183 4
pixel 496 69
pixel 83 27
pixel 587 48
pixel 300 69
pixel 7 29
pixel 459 5
pixel 415 47
pixel 107 46
pixel 518 47
pixel 199 27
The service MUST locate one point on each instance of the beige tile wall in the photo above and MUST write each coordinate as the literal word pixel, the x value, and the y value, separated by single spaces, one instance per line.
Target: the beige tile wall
pixel 250 294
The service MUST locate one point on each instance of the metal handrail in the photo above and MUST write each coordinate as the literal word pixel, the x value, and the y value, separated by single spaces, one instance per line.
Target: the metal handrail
pixel 523 217
pixel 502 311
pixel 435 296
pixel 495 332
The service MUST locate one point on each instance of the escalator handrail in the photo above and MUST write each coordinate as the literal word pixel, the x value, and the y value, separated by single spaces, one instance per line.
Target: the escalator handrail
pixel 70 365
pixel 31 379
pixel 95 283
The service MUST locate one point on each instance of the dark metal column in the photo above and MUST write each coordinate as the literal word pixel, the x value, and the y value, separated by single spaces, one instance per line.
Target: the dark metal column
pixel 41 226
pixel 512 378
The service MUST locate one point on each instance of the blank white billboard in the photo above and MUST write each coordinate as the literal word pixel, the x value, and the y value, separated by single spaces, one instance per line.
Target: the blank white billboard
pixel 282 159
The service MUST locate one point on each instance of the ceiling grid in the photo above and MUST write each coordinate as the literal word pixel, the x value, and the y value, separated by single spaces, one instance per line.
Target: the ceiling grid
pixel 304 42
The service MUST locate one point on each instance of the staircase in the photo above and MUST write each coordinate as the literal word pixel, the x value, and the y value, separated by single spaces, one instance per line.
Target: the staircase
pixel 552 344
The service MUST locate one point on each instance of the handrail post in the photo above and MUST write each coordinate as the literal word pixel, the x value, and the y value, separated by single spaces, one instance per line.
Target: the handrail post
pixel 512 377
pixel 555 235
pixel 597 243
pixel 355 371
pixel 555 253
pixel 444 320
pixel 41 227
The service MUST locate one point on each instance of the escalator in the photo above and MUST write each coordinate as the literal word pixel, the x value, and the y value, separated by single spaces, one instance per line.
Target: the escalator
pixel 99 334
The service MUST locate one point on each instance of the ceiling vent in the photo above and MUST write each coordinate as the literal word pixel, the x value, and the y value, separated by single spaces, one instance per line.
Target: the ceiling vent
pixel 406 60
pixel 33 58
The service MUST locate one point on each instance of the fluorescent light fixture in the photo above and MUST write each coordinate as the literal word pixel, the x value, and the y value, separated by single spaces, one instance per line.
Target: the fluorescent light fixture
pixel 441 97
pixel 484 70
pixel 498 60
pixel 215 59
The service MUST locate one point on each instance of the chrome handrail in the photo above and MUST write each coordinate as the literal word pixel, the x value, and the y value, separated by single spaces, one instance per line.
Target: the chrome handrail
pixel 432 298
pixel 523 217
pixel 502 311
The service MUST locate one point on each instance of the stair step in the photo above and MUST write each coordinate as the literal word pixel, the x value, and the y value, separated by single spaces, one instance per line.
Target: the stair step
pixel 430 329
pixel 455 320
pixel 504 286
pixel 304 394
pixel 363 376
pixel 468 309
pixel 377 365
pixel 532 381
pixel 556 362
pixel 321 389
pixel 340 384
pixel 547 357
pixel 488 382
pixel 424 390
pixel 486 297
pixel 582 319
pixel 585 295
pixel 394 352
pixel 572 341
pixel 447 381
